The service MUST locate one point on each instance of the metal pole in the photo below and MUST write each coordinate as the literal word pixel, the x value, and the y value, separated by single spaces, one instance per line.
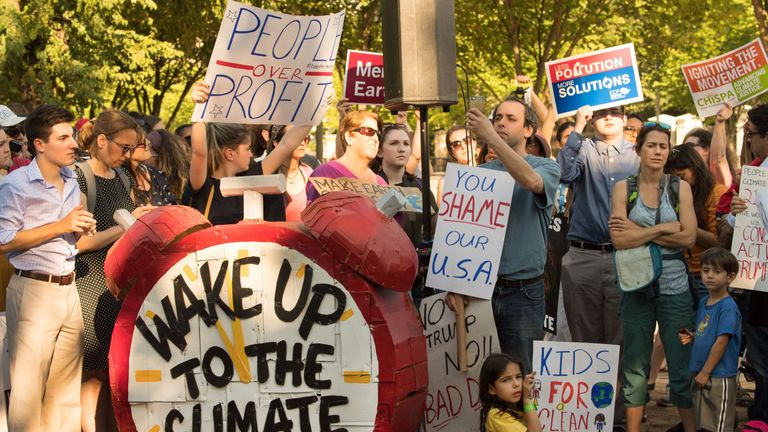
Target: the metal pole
pixel 426 202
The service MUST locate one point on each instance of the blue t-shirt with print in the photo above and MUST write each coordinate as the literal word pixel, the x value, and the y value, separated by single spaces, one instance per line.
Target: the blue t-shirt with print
pixel 525 244
pixel 712 321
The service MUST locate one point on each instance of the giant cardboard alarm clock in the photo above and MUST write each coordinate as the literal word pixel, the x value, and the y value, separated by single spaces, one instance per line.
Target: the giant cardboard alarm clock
pixel 267 326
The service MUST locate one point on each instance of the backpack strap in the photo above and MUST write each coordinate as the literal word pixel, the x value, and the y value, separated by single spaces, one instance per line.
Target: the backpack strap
pixel 632 191
pixel 673 192
pixel 124 179
pixel 90 184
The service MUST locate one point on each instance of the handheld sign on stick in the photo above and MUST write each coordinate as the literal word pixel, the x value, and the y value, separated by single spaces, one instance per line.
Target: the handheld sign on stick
pixel 252 188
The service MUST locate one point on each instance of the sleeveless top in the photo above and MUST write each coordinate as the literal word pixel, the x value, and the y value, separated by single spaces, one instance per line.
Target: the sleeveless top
pixel 674 278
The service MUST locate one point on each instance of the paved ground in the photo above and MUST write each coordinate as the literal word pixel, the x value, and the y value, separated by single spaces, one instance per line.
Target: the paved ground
pixel 660 418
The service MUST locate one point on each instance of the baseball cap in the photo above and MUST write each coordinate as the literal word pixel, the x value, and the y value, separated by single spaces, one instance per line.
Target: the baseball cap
pixel 8 118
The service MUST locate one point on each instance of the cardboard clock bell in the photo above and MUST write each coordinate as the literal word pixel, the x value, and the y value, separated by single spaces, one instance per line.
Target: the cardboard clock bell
pixel 265 326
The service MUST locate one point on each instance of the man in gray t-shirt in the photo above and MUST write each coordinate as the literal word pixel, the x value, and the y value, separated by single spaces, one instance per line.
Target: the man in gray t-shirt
pixel 518 298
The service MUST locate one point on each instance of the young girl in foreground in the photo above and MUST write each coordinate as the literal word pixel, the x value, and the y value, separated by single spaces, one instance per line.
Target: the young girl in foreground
pixel 506 396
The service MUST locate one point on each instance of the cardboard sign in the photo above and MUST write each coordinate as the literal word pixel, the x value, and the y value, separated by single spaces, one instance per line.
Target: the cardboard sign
pixel 750 238
pixel 600 79
pixel 364 80
pixel 733 77
pixel 471 226
pixel 265 326
pixel 323 185
pixel 260 342
pixel 575 386
pixel 271 68
pixel 453 401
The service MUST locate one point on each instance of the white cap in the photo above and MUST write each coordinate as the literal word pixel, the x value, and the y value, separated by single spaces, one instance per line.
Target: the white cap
pixel 8 118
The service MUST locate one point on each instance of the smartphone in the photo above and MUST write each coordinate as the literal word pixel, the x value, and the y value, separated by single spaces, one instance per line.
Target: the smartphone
pixel 477 102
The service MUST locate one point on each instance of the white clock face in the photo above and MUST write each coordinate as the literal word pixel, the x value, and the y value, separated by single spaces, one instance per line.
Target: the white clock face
pixel 253 333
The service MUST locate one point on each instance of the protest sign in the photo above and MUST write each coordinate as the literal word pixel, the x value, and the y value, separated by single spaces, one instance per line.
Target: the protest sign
pixel 750 241
pixel 453 400
pixel 575 385
pixel 471 226
pixel 364 80
pixel 557 247
pixel 266 326
pixel 323 185
pixel 271 68
pixel 733 77
pixel 601 79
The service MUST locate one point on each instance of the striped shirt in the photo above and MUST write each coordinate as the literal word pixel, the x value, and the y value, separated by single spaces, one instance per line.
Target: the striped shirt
pixel 27 202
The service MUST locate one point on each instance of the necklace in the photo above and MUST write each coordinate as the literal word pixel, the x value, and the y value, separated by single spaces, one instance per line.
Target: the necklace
pixel 292 178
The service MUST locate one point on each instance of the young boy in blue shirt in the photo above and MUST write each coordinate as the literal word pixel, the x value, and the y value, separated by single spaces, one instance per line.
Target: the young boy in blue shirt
pixel 716 342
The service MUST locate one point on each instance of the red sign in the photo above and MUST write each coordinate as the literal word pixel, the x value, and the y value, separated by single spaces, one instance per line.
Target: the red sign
pixel 364 80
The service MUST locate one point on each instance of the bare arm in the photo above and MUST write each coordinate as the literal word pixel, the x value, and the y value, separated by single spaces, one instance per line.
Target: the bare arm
pixel 715 354
pixel 686 237
pixel 706 239
pixel 545 115
pixel 516 166
pixel 102 239
pixel 292 139
pixel 625 234
pixel 413 162
pixel 718 163
pixel 198 164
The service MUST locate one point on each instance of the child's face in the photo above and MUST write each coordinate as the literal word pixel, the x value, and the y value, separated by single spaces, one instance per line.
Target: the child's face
pixel 715 278
pixel 508 387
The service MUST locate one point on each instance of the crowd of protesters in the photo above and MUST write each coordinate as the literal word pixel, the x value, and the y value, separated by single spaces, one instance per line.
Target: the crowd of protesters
pixel 626 184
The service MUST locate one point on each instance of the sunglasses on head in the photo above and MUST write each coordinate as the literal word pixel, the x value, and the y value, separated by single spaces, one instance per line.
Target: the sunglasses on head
pixel 664 126
pixel 367 131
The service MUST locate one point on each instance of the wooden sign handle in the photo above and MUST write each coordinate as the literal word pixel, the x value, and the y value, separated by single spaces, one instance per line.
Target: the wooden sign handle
pixel 461 333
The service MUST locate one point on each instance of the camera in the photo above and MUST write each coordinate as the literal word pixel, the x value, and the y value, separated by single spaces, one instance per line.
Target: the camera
pixel 16 146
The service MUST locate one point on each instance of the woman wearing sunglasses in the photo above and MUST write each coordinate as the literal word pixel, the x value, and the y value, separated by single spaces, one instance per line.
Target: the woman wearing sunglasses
pixel 668 301
pixel 224 150
pixel 359 136
pixel 109 138
pixel 150 184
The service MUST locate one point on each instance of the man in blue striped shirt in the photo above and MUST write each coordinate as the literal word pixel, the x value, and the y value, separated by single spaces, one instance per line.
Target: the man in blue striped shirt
pixel 40 221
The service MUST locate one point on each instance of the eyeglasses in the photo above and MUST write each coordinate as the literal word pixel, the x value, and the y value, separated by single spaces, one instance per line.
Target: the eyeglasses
pixel 748 134
pixel 664 126
pixel 367 131
pixel 125 148
pixel 630 129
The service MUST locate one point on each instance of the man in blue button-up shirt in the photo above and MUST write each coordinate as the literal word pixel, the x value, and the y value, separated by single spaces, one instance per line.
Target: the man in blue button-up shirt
pixel 592 167
pixel 40 221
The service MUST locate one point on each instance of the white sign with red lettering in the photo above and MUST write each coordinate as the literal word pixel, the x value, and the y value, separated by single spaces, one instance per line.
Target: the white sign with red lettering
pixel 471 226
pixel 750 238
pixel 364 80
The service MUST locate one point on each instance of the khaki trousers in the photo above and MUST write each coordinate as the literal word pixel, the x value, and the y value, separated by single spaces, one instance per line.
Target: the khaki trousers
pixel 45 347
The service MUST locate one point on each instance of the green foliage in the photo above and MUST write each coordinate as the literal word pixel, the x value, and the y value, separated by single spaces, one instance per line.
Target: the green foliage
pixel 145 54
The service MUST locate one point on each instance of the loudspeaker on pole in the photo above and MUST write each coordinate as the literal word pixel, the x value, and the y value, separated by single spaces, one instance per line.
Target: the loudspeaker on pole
pixel 419 39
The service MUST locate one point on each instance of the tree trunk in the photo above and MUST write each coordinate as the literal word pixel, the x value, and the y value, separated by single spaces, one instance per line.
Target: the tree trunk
pixel 760 18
